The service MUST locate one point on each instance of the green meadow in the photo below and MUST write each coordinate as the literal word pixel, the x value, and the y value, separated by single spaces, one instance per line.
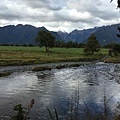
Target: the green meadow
pixel 18 55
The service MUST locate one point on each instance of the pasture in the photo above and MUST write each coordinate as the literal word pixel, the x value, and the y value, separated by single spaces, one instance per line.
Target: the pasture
pixel 19 55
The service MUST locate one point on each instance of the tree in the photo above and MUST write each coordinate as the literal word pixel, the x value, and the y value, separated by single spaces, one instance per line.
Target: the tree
pixel 114 49
pixel 30 45
pixel 57 43
pixel 45 38
pixel 118 3
pixel 119 32
pixel 69 44
pixel 118 6
pixel 24 45
pixel 91 46
pixel 81 45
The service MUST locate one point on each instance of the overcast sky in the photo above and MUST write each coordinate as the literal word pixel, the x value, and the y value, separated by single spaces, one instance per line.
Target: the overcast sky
pixel 65 15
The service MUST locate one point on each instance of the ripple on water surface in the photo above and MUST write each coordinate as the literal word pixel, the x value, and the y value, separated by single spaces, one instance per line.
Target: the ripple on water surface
pixel 57 88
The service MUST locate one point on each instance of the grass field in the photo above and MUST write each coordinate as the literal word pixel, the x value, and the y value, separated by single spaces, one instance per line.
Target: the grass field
pixel 13 55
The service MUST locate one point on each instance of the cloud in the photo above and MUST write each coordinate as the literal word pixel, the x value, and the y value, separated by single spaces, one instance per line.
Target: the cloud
pixel 46 4
pixel 98 8
pixel 56 14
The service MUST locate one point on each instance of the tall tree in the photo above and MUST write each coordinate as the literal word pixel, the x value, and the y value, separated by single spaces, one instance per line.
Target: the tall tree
pixel 45 38
pixel 118 3
pixel 119 32
pixel 91 46
pixel 118 6
pixel 114 49
pixel 69 44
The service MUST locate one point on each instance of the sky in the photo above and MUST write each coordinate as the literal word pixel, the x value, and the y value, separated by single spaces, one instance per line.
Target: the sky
pixel 63 15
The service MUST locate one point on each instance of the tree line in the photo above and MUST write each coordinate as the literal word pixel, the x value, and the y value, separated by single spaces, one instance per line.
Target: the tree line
pixel 45 38
pixel 17 45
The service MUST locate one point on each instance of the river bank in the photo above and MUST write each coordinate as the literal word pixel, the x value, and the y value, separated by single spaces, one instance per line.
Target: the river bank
pixel 20 57
pixel 57 60
pixel 4 70
pixel 20 62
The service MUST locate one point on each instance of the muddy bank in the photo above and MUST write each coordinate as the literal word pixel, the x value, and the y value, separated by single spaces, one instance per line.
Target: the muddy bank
pixel 16 68
pixel 40 67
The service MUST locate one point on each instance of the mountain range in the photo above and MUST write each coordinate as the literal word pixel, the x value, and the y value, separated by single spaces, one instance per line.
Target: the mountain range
pixel 26 34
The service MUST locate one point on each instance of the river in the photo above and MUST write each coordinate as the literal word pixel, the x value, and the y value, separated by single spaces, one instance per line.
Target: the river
pixel 84 86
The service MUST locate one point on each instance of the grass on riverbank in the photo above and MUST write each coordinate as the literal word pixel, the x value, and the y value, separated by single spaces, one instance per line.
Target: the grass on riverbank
pixel 13 55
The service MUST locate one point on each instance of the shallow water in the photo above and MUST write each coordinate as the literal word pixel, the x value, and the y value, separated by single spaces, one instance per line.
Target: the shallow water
pixel 61 88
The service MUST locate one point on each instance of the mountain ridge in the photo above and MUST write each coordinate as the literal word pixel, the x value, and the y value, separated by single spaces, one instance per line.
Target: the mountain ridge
pixel 26 34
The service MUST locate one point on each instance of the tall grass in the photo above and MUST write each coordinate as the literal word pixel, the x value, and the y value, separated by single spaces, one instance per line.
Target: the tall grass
pixel 75 110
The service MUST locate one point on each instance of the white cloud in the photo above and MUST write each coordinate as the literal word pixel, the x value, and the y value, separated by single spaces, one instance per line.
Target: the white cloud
pixel 56 14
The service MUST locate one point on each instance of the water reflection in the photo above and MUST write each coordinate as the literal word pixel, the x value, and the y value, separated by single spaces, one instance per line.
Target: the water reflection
pixel 85 85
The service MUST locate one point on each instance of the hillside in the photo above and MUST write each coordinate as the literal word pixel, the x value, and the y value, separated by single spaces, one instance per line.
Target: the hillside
pixel 104 34
pixel 26 34
pixel 21 34
pixel 108 34
pixel 78 35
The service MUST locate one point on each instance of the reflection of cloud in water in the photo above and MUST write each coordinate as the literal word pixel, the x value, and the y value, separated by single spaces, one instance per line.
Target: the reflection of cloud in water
pixel 53 88
pixel 17 84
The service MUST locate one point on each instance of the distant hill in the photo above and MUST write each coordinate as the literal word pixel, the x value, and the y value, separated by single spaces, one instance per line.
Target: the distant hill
pixel 21 34
pixel 108 34
pixel 77 35
pixel 104 34
pixel 26 34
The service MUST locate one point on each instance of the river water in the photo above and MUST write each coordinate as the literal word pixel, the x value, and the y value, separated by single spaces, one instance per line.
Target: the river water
pixel 83 87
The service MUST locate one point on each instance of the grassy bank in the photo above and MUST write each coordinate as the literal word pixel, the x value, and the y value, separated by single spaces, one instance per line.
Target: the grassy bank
pixel 13 55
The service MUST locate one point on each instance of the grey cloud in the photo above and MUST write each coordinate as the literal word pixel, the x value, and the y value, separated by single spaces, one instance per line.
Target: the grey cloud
pixel 54 13
pixel 98 8
pixel 103 12
pixel 108 16
pixel 38 4
pixel 9 16
pixel 5 13
pixel 69 17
